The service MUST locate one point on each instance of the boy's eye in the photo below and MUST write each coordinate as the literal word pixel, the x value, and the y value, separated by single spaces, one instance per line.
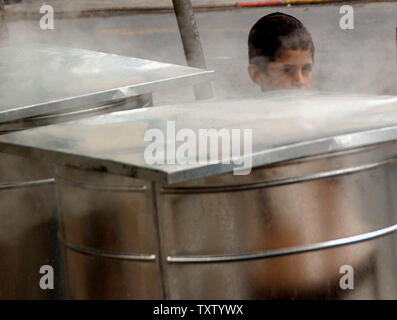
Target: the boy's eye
pixel 287 69
pixel 307 68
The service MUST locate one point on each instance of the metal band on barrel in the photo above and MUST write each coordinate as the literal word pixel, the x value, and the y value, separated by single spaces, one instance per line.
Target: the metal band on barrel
pixel 115 188
pixel 284 251
pixel 276 182
pixel 141 101
pixel 18 185
pixel 105 254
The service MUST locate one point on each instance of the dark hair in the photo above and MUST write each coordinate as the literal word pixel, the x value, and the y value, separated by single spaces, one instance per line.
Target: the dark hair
pixel 276 32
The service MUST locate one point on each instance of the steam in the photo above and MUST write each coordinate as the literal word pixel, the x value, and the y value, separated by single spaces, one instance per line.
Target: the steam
pixel 358 60
pixel 361 60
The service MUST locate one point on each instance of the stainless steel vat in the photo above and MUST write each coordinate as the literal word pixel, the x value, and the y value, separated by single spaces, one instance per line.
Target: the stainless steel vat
pixel 321 196
pixel 121 249
pixel 255 226
pixel 27 196
pixel 43 85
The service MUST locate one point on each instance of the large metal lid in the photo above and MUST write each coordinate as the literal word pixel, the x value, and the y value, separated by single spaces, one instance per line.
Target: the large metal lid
pixel 38 80
pixel 285 126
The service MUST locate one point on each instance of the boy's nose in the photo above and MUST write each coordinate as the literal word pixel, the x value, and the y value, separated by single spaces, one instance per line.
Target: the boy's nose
pixel 298 79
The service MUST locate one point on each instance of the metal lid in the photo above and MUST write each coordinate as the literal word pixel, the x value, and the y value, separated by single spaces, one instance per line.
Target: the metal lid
pixel 285 126
pixel 38 80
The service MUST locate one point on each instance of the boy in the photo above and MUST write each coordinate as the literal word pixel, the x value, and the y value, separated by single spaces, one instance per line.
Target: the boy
pixel 281 53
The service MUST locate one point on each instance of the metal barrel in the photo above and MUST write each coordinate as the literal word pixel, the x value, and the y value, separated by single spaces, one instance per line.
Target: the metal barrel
pixel 108 227
pixel 293 230
pixel 28 232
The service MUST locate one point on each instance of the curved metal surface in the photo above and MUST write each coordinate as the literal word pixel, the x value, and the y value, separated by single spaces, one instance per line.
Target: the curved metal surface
pixel 276 182
pixel 18 185
pixel 252 234
pixel 44 85
pixel 107 227
pixel 333 205
pixel 285 251
pixel 113 188
pixel 140 101
pixel 105 254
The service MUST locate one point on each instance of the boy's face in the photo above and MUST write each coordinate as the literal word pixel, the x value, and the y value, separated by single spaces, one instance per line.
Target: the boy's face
pixel 292 70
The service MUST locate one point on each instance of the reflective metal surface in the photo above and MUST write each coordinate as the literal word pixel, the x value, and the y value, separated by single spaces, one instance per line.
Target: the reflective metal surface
pixel 44 85
pixel 28 209
pixel 275 241
pixel 284 126
pixel 321 196
pixel 289 250
pixel 220 239
pixel 41 79
pixel 28 227
pixel 108 229
pixel 140 101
